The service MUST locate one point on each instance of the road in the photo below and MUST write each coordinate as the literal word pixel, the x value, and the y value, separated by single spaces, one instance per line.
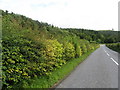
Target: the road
pixel 99 70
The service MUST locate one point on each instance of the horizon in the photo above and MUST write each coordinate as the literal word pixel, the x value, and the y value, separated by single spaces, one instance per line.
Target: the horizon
pixel 64 14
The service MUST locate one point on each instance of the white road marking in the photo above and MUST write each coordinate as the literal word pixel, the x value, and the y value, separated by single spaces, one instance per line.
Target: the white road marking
pixel 111 58
pixel 114 61
pixel 104 50
pixel 108 54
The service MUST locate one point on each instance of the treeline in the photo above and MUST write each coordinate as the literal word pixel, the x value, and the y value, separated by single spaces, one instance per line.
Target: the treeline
pixel 34 49
pixel 105 36
pixel 114 46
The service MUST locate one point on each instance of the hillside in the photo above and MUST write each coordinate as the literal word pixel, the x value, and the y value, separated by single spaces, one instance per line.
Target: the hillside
pixel 35 49
pixel 105 36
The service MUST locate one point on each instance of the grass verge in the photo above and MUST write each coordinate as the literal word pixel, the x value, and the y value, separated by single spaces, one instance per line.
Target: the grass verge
pixel 57 75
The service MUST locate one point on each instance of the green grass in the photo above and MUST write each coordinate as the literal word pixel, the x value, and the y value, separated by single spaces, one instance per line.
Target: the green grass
pixel 57 75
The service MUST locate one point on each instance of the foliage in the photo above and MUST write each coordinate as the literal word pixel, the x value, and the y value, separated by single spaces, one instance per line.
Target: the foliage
pixel 52 49
pixel 106 36
pixel 78 50
pixel 114 46
pixel 34 49
pixel 58 74
pixel 69 51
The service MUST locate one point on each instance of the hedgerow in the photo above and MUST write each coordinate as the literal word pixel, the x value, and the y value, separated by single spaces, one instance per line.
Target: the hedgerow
pixel 32 49
pixel 22 59
pixel 114 46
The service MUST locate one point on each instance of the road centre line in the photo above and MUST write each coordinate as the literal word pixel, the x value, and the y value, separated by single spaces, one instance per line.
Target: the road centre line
pixel 111 58
pixel 108 54
pixel 104 50
pixel 114 61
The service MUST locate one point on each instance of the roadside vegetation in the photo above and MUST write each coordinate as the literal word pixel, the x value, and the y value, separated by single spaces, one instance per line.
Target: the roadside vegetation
pixel 35 52
pixel 50 81
pixel 114 46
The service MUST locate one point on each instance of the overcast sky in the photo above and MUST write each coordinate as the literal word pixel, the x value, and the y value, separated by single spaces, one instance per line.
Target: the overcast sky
pixel 88 14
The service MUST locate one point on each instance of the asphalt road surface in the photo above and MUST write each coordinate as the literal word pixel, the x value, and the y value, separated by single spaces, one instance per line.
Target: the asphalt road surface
pixel 99 70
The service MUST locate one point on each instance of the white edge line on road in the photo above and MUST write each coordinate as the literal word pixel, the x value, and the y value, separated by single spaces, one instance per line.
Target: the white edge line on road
pixel 114 61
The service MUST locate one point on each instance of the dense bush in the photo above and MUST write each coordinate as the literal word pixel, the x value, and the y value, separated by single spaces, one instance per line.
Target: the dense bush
pixel 78 50
pixel 22 59
pixel 114 46
pixel 33 49
pixel 69 50
pixel 52 50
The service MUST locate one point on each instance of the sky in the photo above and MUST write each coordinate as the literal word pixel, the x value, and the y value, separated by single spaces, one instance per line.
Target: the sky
pixel 87 14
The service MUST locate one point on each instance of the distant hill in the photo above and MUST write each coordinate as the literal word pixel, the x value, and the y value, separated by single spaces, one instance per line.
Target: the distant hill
pixel 105 30
pixel 102 36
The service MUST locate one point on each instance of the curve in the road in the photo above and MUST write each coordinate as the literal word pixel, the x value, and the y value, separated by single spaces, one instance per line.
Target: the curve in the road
pixel 99 70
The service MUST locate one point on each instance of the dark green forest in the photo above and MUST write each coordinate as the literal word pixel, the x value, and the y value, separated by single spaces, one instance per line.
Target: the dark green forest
pixel 114 46
pixel 101 36
pixel 32 49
